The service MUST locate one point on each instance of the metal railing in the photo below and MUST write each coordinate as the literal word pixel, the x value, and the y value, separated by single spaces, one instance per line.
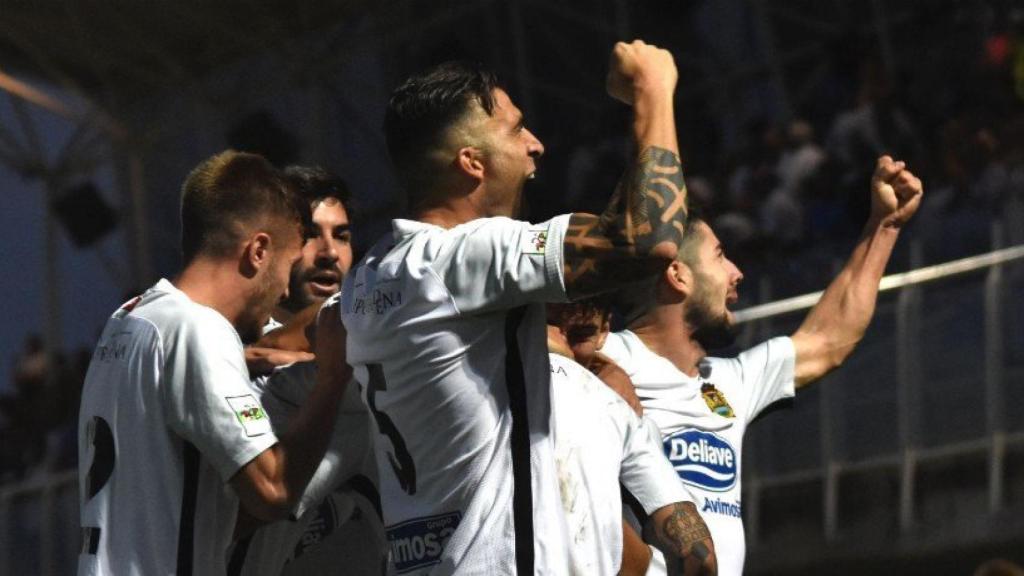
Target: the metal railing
pixel 911 452
pixel 39 525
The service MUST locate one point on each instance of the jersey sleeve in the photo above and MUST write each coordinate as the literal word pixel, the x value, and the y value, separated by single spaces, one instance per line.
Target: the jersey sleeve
pixel 208 399
pixel 766 373
pixel 501 263
pixel 645 473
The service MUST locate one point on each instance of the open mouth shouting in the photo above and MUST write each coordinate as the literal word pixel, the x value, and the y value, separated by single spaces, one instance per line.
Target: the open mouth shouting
pixel 324 282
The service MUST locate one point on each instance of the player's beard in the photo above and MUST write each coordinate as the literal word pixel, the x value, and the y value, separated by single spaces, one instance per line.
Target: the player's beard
pixel 257 313
pixel 712 331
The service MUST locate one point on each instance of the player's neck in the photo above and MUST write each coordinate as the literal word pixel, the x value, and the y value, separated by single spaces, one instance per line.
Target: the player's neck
pixel 455 209
pixel 665 333
pixel 214 285
pixel 282 314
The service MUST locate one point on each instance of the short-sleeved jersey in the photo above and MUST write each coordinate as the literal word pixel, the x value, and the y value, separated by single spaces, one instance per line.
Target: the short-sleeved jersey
pixel 446 334
pixel 702 422
pixel 338 515
pixel 600 445
pixel 167 418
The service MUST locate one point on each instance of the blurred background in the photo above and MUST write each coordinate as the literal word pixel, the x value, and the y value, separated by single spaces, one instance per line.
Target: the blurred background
pixel 909 460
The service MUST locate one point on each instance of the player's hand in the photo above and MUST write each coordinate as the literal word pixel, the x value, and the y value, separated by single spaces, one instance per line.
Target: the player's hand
pixel 638 67
pixel 329 343
pixel 616 378
pixel 261 360
pixel 895 193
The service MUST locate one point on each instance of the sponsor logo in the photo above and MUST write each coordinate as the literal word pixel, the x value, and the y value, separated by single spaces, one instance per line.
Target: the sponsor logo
pixel 702 459
pixel 377 302
pixel 724 507
pixel 318 529
pixel 250 414
pixel 419 542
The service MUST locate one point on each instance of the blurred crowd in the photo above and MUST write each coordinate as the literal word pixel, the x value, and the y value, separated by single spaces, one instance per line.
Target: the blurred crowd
pixel 39 415
pixel 789 192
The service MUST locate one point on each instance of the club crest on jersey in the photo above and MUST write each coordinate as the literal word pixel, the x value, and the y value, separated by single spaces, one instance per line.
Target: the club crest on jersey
pixel 716 400
pixel 250 414
pixel 535 241
pixel 702 459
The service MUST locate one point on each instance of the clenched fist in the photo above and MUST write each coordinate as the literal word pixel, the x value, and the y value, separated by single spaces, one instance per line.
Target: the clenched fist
pixel 895 193
pixel 638 67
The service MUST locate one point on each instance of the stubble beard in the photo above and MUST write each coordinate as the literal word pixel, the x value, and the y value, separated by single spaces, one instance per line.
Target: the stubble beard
pixel 712 331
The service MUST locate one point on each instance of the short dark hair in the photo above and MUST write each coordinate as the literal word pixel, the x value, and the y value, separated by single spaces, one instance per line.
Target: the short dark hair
pixel 313 184
pixel 228 194
pixel 634 300
pixel 423 108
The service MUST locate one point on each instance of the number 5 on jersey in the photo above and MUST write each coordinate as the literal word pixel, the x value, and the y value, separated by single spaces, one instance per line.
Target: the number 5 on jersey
pixel 401 460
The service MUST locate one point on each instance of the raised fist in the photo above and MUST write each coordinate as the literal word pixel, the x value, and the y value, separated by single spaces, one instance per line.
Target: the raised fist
pixel 895 192
pixel 637 67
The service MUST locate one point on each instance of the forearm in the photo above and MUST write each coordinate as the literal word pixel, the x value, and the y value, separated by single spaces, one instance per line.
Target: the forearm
pixel 306 441
pixel 680 532
pixel 636 556
pixel 638 235
pixel 838 321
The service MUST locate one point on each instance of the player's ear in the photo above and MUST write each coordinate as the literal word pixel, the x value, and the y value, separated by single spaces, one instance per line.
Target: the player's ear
pixel 678 277
pixel 255 254
pixel 470 161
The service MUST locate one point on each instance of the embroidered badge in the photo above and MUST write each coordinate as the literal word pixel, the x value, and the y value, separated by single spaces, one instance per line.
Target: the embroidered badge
pixel 535 241
pixel 716 400
pixel 250 414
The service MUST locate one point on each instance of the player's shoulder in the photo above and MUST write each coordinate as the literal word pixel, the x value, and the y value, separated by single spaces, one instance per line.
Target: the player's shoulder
pixel 583 383
pixel 172 313
pixel 773 349
pixel 625 349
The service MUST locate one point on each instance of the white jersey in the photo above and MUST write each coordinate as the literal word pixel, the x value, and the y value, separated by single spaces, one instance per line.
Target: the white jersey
pixel 446 333
pixel 600 445
pixel 338 515
pixel 167 418
pixel 702 421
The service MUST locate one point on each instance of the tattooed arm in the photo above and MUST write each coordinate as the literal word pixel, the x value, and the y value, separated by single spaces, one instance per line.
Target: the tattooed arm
pixel 640 231
pixel 680 532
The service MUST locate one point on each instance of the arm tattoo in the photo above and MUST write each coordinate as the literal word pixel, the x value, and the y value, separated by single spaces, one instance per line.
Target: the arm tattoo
pixel 648 208
pixel 685 535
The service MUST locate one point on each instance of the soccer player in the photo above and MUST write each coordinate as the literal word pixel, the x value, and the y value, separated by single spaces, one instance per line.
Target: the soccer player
pixel 446 320
pixel 171 437
pixel 600 445
pixel 338 516
pixel 703 405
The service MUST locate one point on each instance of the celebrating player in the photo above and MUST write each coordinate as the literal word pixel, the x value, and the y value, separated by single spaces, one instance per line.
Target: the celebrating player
pixel 168 417
pixel 703 405
pixel 447 327
pixel 338 516
pixel 602 448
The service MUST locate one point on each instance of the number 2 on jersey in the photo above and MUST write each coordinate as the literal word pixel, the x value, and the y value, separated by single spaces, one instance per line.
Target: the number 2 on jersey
pixel 401 460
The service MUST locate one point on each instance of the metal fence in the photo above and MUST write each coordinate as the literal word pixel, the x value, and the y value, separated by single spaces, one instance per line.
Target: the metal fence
pixel 936 383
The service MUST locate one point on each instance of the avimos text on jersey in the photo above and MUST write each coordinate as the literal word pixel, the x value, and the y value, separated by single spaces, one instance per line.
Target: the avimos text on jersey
pixel 702 459
pixel 420 542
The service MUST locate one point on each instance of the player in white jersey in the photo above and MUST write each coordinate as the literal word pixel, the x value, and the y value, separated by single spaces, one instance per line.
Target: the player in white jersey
pixel 601 448
pixel 338 516
pixel 171 438
pixel 447 327
pixel 703 405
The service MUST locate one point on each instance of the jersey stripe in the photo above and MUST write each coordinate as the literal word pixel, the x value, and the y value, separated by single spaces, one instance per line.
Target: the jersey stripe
pixel 186 526
pixel 522 491
pixel 363 485
pixel 237 560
